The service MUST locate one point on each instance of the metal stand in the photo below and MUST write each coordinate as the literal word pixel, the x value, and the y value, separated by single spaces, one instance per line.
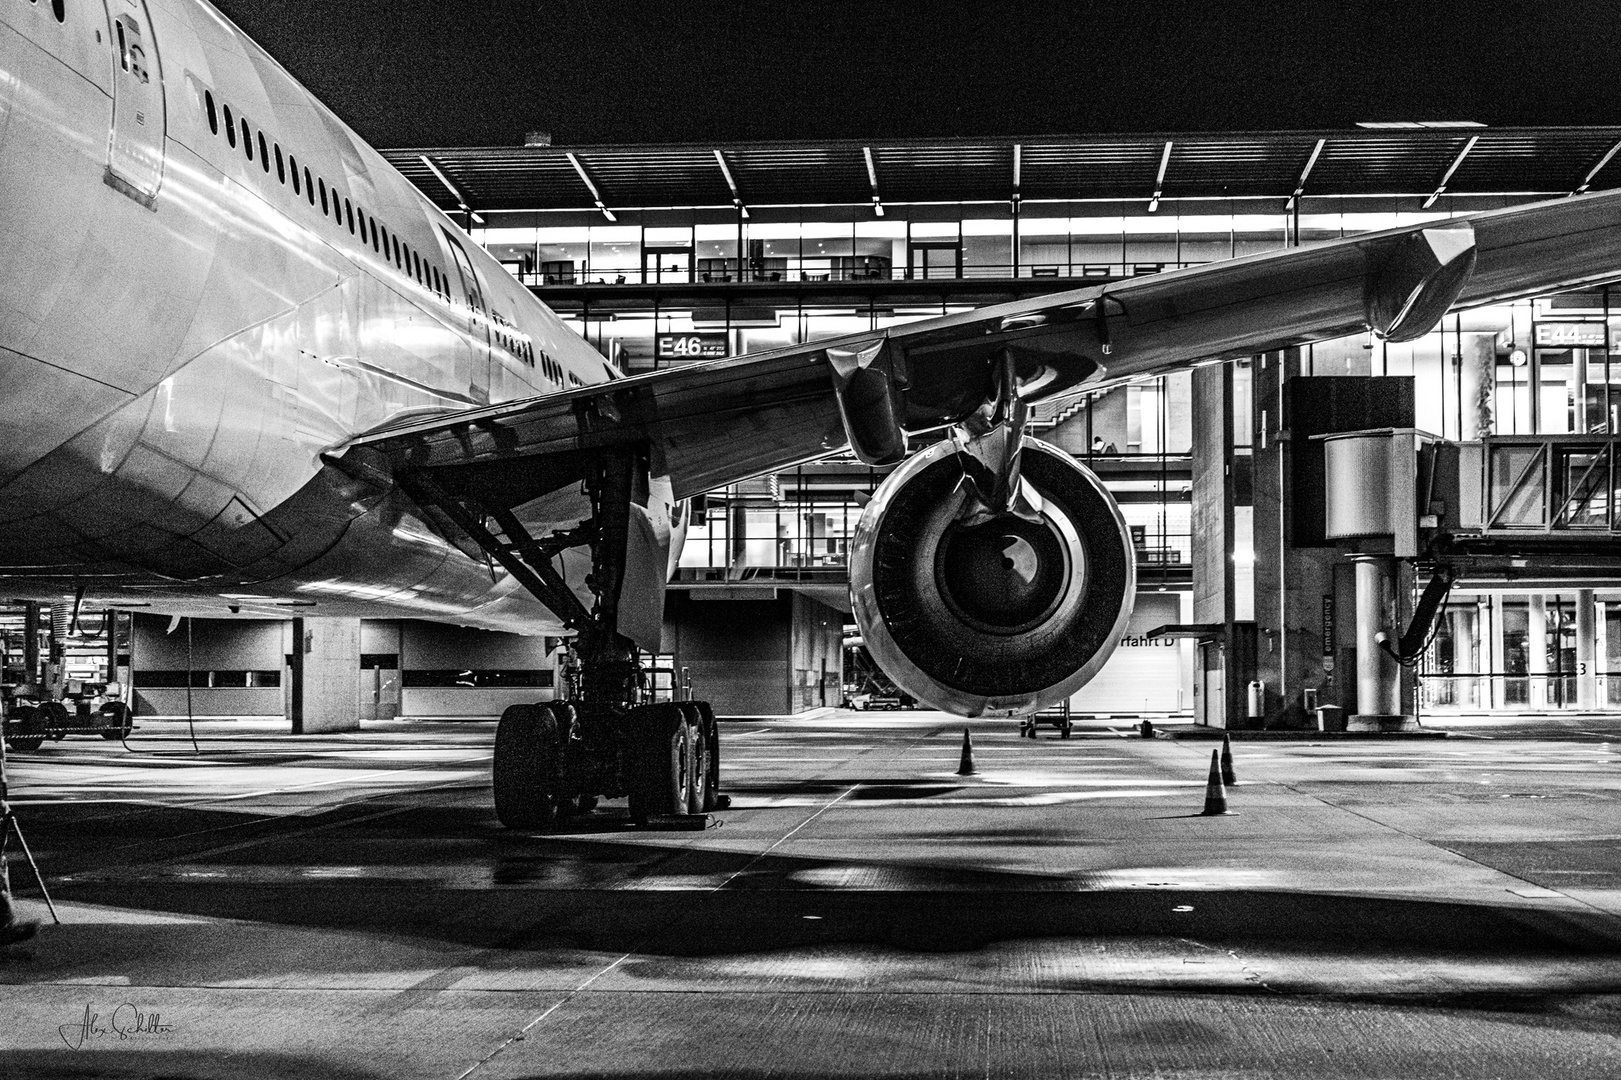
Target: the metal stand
pixel 8 825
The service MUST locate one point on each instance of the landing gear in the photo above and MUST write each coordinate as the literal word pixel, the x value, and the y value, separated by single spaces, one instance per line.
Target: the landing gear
pixel 605 739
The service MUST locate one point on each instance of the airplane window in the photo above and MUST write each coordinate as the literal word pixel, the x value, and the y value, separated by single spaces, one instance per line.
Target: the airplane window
pixel 230 128
pixel 60 10
pixel 247 138
pixel 322 184
pixel 213 117
pixel 396 245
pixel 309 190
pixel 281 170
pixel 292 167
pixel 374 244
pixel 349 213
pixel 264 155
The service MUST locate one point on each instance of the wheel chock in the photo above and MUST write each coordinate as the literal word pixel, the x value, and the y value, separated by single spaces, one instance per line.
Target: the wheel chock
pixel 679 822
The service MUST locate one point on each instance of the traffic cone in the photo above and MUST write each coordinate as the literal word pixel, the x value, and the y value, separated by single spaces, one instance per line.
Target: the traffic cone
pixel 967 766
pixel 1228 777
pixel 1215 796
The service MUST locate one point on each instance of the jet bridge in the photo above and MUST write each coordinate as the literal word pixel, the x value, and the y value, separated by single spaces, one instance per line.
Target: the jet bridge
pixel 1526 509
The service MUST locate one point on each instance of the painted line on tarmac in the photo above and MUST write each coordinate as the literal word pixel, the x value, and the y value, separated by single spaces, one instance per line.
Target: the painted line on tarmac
pixel 523 1033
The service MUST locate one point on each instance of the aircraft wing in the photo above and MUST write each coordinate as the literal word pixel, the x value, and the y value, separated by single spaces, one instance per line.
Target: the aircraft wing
pixel 715 423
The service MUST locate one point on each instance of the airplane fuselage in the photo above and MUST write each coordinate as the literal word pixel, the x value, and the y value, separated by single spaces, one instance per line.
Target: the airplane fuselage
pixel 207 280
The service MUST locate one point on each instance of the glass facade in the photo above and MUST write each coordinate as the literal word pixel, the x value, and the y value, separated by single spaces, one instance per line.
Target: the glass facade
pixel 925 242
pixel 1550 365
pixel 1524 652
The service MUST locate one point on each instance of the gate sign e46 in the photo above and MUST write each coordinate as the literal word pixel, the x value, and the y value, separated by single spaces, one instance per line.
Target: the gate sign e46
pixel 690 346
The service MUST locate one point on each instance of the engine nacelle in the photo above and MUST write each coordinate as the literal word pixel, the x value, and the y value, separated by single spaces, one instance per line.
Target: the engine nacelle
pixel 1004 616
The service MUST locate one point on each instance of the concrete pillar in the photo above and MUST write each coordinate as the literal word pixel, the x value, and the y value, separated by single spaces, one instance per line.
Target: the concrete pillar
pixel 1378 677
pixel 325 676
pixel 1586 651
pixel 1536 649
pixel 1212 518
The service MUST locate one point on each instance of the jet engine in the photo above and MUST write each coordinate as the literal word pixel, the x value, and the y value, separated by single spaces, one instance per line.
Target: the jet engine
pixel 977 612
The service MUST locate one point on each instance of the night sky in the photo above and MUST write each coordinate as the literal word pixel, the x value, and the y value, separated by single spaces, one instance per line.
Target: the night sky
pixel 482 72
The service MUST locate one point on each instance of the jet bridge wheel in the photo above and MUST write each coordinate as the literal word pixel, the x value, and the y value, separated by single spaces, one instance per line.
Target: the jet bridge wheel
pixel 528 770
pixel 665 762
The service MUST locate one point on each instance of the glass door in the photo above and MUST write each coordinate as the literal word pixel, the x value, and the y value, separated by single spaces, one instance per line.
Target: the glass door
pixel 943 260
pixel 663 266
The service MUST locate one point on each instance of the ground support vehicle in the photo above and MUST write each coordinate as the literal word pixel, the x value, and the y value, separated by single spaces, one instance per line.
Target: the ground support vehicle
pixel 32 715
pixel 1058 717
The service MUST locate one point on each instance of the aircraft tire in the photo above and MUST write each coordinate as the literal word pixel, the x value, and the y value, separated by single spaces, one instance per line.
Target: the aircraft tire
pixel 31 725
pixel 527 771
pixel 664 780
pixel 711 777
pixel 705 769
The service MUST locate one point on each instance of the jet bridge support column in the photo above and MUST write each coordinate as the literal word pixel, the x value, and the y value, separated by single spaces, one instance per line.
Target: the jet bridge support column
pixel 1378 678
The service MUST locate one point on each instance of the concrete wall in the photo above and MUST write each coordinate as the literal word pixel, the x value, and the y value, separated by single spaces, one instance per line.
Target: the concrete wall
pixel 429 645
pixel 1297 605
pixel 737 650
pixel 426 646
pixel 215 645
pixel 211 701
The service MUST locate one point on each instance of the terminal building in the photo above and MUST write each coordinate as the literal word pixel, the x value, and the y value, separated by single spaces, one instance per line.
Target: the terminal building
pixel 1496 431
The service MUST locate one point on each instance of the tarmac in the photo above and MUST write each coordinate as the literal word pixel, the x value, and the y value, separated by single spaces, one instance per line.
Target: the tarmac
pixel 347 906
